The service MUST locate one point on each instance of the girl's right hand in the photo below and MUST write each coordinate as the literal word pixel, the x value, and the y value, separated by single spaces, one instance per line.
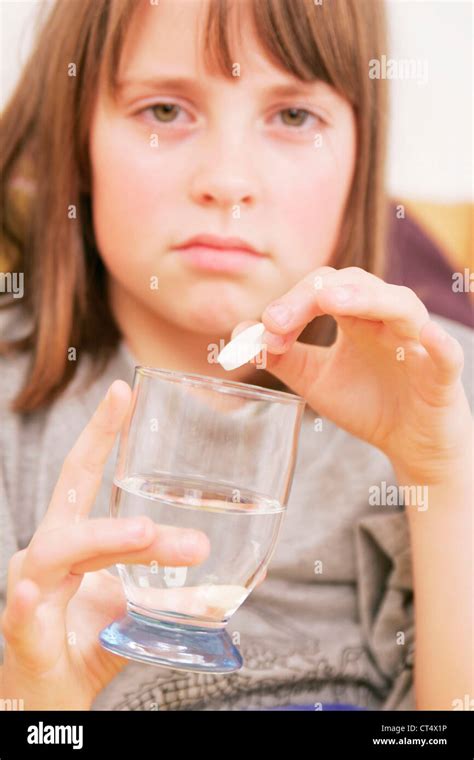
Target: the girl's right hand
pixel 59 593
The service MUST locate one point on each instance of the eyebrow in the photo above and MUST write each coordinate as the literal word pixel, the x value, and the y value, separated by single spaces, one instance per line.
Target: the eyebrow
pixel 193 86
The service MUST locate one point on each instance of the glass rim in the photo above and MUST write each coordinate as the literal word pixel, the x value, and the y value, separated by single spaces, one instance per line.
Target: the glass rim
pixel 220 384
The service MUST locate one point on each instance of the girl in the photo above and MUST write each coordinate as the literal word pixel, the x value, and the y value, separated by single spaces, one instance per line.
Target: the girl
pixel 254 127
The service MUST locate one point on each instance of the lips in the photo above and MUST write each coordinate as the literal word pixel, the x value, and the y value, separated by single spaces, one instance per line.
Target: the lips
pixel 217 243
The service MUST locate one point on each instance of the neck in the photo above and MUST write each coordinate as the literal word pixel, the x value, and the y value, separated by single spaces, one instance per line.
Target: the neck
pixel 155 342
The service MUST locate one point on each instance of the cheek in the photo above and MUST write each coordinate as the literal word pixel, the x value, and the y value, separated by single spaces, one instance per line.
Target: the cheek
pixel 311 206
pixel 132 191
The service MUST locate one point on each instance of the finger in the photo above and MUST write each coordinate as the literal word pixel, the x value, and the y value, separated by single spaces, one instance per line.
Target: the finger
pixel 172 547
pixel 396 306
pixel 271 343
pixel 55 554
pixel 18 623
pixel 276 344
pixel 300 368
pixel 83 467
pixel 104 591
pixel 300 305
pixel 444 351
pixel 280 344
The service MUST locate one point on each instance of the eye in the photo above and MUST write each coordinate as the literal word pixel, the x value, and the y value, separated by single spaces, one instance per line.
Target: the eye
pixel 298 117
pixel 294 117
pixel 164 112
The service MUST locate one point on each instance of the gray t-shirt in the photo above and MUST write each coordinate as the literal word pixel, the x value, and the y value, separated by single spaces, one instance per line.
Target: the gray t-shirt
pixel 332 622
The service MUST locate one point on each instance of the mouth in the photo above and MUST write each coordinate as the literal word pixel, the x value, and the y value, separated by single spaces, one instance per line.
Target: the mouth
pixel 224 254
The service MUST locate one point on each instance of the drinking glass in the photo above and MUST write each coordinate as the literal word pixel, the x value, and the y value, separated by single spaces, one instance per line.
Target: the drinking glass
pixel 213 455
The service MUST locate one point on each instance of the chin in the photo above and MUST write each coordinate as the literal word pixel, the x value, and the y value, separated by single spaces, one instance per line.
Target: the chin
pixel 213 315
pixel 210 322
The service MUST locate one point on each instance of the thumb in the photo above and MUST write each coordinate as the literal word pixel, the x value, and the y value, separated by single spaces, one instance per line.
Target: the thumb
pixel 243 326
pixel 299 367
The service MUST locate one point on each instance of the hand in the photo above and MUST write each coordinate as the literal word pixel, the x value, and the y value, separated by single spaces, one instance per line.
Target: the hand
pixel 58 585
pixel 392 377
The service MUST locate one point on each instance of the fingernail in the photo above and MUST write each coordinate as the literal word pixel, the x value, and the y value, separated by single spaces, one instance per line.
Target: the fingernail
pixel 341 295
pixel 188 545
pixel 280 313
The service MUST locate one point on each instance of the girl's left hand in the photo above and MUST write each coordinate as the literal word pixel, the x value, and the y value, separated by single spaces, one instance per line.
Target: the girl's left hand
pixel 392 376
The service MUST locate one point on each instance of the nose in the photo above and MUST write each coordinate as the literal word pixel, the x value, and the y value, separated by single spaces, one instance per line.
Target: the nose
pixel 224 177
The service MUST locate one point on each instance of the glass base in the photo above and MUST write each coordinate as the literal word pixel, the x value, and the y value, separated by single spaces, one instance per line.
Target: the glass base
pixel 171 645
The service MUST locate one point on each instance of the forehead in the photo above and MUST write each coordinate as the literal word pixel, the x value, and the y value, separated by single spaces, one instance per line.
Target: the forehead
pixel 170 37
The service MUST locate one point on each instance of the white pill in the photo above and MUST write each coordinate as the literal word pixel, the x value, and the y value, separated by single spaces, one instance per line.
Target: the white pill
pixel 245 346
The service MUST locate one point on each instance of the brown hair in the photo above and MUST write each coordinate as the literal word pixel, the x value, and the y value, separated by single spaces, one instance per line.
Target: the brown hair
pixel 45 148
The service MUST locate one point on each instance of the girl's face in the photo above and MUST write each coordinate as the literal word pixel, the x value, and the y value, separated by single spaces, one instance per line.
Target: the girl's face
pixel 262 157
